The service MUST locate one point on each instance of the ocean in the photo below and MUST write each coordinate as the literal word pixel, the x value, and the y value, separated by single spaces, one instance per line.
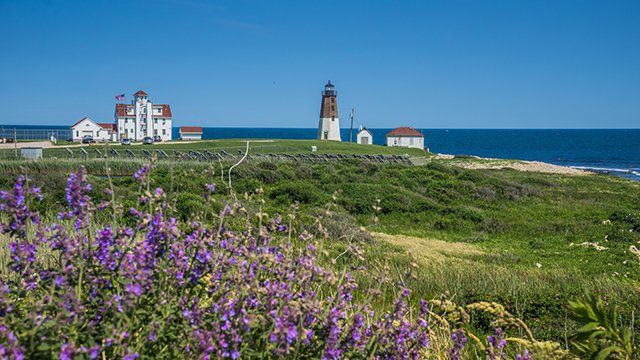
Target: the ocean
pixel 612 151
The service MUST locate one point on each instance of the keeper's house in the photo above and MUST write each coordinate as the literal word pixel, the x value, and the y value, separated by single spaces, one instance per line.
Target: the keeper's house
pixel 99 131
pixel 190 133
pixel 406 137
pixel 142 118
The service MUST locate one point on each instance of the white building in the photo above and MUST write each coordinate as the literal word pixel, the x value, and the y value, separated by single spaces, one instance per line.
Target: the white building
pixel 406 137
pixel 364 136
pixel 143 118
pixel 99 132
pixel 190 133
pixel 329 125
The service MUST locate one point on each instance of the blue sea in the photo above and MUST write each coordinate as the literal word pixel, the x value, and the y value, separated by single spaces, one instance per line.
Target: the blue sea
pixel 614 151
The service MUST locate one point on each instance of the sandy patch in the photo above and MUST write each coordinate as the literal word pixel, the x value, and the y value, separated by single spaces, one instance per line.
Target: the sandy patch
pixel 520 165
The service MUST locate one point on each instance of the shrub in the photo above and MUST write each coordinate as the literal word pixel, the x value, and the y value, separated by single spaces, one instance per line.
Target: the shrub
pixel 295 191
pixel 188 205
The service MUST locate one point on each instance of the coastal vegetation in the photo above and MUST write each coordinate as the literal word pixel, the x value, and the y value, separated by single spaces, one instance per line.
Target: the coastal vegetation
pixel 536 260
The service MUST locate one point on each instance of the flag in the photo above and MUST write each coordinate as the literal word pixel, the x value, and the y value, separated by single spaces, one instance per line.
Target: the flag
pixel 120 97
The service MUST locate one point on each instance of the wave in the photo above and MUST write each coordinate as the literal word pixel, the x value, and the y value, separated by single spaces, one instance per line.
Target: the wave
pixel 604 169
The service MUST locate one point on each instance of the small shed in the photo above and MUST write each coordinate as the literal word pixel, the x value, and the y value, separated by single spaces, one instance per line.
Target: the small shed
pixel 31 153
pixel 364 136
pixel 405 137
pixel 190 133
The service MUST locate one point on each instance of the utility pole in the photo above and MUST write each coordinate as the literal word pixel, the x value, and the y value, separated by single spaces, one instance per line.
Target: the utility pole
pixel 15 142
pixel 351 130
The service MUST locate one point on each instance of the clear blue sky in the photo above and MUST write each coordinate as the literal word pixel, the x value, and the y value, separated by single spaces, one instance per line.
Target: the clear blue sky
pixel 263 63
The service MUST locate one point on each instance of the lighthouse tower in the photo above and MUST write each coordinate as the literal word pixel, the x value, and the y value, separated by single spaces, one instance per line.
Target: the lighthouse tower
pixel 329 125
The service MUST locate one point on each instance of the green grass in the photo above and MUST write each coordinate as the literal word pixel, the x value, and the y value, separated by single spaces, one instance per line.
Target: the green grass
pixel 512 221
pixel 235 146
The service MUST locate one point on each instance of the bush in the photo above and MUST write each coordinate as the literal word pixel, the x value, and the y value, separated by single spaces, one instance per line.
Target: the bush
pixel 189 205
pixel 296 191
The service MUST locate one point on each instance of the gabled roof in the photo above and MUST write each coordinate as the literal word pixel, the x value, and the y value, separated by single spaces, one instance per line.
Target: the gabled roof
pixel 405 131
pixel 364 129
pixel 81 120
pixel 191 129
pixel 141 93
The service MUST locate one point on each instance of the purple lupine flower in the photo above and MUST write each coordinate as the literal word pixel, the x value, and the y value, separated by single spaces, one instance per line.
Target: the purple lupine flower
pixel 496 344
pixel 211 187
pixel 131 356
pixel 524 356
pixel 66 352
pixel 292 334
pixel 134 289
pixel 94 352
pixel 459 341
pixel 79 202
pixel 141 174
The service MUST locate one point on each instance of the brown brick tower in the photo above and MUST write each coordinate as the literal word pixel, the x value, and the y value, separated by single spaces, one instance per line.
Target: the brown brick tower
pixel 329 125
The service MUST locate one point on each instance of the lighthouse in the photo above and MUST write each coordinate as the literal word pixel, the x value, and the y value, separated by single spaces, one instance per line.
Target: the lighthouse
pixel 329 125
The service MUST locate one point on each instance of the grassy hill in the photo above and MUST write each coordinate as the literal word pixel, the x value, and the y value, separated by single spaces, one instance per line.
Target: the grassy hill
pixel 530 241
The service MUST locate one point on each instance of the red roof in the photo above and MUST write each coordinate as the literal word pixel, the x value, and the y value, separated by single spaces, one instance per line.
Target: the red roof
pixel 121 110
pixel 141 93
pixel 191 129
pixel 404 131
pixel 113 127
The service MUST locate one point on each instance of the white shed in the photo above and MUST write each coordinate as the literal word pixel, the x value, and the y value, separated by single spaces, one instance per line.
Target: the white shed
pixel 406 137
pixel 364 136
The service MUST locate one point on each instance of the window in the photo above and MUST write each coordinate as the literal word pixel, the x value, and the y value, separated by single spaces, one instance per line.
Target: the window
pixel 333 100
pixel 326 135
pixel 77 133
pixel 155 132
pixel 333 108
pixel 164 131
pixel 333 118
pixel 155 121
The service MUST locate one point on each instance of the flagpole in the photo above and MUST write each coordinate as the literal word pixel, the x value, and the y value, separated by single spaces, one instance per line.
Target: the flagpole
pixel 351 130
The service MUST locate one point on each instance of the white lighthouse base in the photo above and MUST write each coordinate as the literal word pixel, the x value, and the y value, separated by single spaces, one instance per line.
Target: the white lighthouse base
pixel 329 129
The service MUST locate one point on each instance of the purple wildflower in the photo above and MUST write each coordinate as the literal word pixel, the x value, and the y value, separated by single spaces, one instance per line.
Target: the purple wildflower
pixel 141 174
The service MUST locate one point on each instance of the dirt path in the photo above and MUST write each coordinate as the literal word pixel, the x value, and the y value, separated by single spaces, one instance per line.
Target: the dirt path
pixel 42 144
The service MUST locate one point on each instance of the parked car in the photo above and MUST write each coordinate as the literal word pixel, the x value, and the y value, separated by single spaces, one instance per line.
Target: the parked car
pixel 147 140
pixel 88 139
pixel 125 141
pixel 157 138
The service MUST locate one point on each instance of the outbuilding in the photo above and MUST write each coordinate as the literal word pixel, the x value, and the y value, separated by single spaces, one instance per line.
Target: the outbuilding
pixel 364 136
pixel 190 133
pixel 99 132
pixel 406 137
pixel 31 153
